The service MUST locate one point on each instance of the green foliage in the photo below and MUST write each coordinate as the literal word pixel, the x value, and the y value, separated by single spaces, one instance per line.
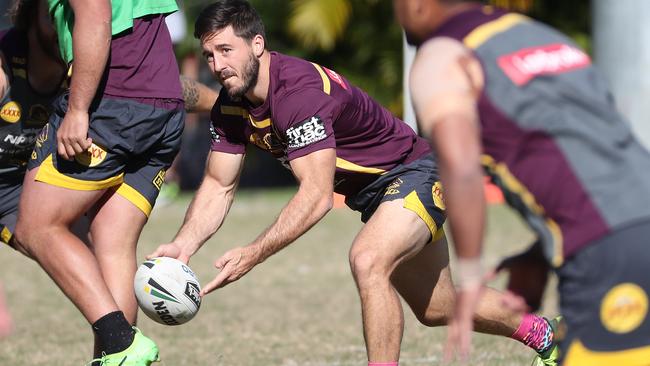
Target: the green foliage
pixel 318 24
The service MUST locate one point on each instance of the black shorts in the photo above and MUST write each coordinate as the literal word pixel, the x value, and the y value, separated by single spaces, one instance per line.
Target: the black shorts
pixel 9 197
pixel 604 292
pixel 417 183
pixel 134 142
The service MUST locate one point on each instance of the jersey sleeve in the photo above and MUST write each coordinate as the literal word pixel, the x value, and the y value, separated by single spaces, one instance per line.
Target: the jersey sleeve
pixel 226 132
pixel 304 119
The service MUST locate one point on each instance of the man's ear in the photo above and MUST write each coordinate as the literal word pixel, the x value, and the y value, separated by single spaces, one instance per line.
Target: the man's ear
pixel 258 44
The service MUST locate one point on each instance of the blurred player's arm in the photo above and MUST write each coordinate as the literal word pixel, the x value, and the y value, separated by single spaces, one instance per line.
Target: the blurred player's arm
pixel 209 207
pixel 198 97
pixel 315 175
pixel 91 41
pixel 4 77
pixel 446 81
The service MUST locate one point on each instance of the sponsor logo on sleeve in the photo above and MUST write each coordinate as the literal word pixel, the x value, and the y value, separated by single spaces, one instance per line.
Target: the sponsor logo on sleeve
pixel 335 77
pixel 306 133
pixel 10 112
pixel 213 133
pixel 524 65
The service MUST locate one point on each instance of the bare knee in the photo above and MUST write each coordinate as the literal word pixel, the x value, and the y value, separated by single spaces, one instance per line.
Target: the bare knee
pixel 27 237
pixel 433 316
pixel 368 268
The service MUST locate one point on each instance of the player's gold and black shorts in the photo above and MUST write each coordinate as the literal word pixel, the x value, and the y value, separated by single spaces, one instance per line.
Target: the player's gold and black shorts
pixel 9 196
pixel 604 291
pixel 417 183
pixel 134 143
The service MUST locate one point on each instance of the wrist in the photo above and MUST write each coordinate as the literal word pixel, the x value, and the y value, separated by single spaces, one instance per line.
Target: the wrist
pixel 469 273
pixel 73 109
pixel 257 251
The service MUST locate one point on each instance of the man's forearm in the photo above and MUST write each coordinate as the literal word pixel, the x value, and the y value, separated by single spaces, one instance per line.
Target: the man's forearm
pixel 304 210
pixel 466 210
pixel 205 215
pixel 198 97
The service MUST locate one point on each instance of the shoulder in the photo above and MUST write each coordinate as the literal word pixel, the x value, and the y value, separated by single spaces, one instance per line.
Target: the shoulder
pixel 293 74
pixel 445 64
pixel 438 53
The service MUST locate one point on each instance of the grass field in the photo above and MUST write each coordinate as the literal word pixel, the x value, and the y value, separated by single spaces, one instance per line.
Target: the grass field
pixel 300 308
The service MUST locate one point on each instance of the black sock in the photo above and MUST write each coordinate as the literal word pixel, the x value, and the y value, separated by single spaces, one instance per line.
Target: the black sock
pixel 114 332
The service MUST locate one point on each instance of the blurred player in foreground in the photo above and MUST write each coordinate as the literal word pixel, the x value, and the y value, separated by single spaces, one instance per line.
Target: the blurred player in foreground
pixel 104 152
pixel 500 84
pixel 26 93
pixel 33 75
pixel 333 137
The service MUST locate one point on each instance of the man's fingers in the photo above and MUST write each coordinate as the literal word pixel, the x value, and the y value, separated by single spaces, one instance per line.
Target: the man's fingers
pixel 217 282
pixel 60 148
pixel 78 147
pixel 159 252
pixel 223 261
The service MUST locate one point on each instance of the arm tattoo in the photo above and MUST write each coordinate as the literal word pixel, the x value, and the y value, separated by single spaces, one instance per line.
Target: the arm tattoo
pixel 190 93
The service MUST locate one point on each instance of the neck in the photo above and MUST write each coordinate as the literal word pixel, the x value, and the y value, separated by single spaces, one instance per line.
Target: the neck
pixel 45 72
pixel 257 94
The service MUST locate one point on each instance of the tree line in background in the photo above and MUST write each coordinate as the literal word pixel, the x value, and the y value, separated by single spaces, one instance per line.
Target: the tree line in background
pixel 361 40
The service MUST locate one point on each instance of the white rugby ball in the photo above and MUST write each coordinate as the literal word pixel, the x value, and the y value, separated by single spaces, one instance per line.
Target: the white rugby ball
pixel 167 291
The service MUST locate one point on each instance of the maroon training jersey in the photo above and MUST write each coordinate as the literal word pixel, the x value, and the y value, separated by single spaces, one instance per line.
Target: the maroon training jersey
pixel 142 62
pixel 310 108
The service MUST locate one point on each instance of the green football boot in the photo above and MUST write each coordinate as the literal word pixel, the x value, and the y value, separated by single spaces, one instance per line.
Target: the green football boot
pixel 142 352
pixel 552 355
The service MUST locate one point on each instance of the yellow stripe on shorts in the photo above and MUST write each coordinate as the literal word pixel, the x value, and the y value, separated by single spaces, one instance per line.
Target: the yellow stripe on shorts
pixel 5 235
pixel 579 355
pixel 412 202
pixel 47 173
pixel 135 197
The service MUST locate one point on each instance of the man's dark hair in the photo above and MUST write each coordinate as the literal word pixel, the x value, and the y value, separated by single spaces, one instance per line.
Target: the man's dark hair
pixel 22 13
pixel 243 18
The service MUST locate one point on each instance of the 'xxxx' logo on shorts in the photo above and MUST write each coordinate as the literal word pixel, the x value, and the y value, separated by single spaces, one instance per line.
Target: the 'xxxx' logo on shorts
pixel 92 157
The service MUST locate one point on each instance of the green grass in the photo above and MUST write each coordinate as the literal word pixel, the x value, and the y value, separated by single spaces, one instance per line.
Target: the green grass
pixel 298 308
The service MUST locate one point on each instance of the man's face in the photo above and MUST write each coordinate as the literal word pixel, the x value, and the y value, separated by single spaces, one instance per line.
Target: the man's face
pixel 231 60
pixel 408 14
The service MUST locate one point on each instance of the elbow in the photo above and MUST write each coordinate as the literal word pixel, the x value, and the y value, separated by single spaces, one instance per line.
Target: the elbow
pixel 324 205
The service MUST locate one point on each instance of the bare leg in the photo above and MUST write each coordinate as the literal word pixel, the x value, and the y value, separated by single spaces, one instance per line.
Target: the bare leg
pixel 424 281
pixel 46 213
pixel 114 246
pixel 392 235
pixel 390 256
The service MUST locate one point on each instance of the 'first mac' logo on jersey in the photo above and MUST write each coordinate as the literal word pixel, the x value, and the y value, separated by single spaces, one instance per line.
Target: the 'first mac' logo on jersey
pixel 307 132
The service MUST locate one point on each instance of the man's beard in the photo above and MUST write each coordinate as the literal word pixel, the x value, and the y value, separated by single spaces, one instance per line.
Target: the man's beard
pixel 249 78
